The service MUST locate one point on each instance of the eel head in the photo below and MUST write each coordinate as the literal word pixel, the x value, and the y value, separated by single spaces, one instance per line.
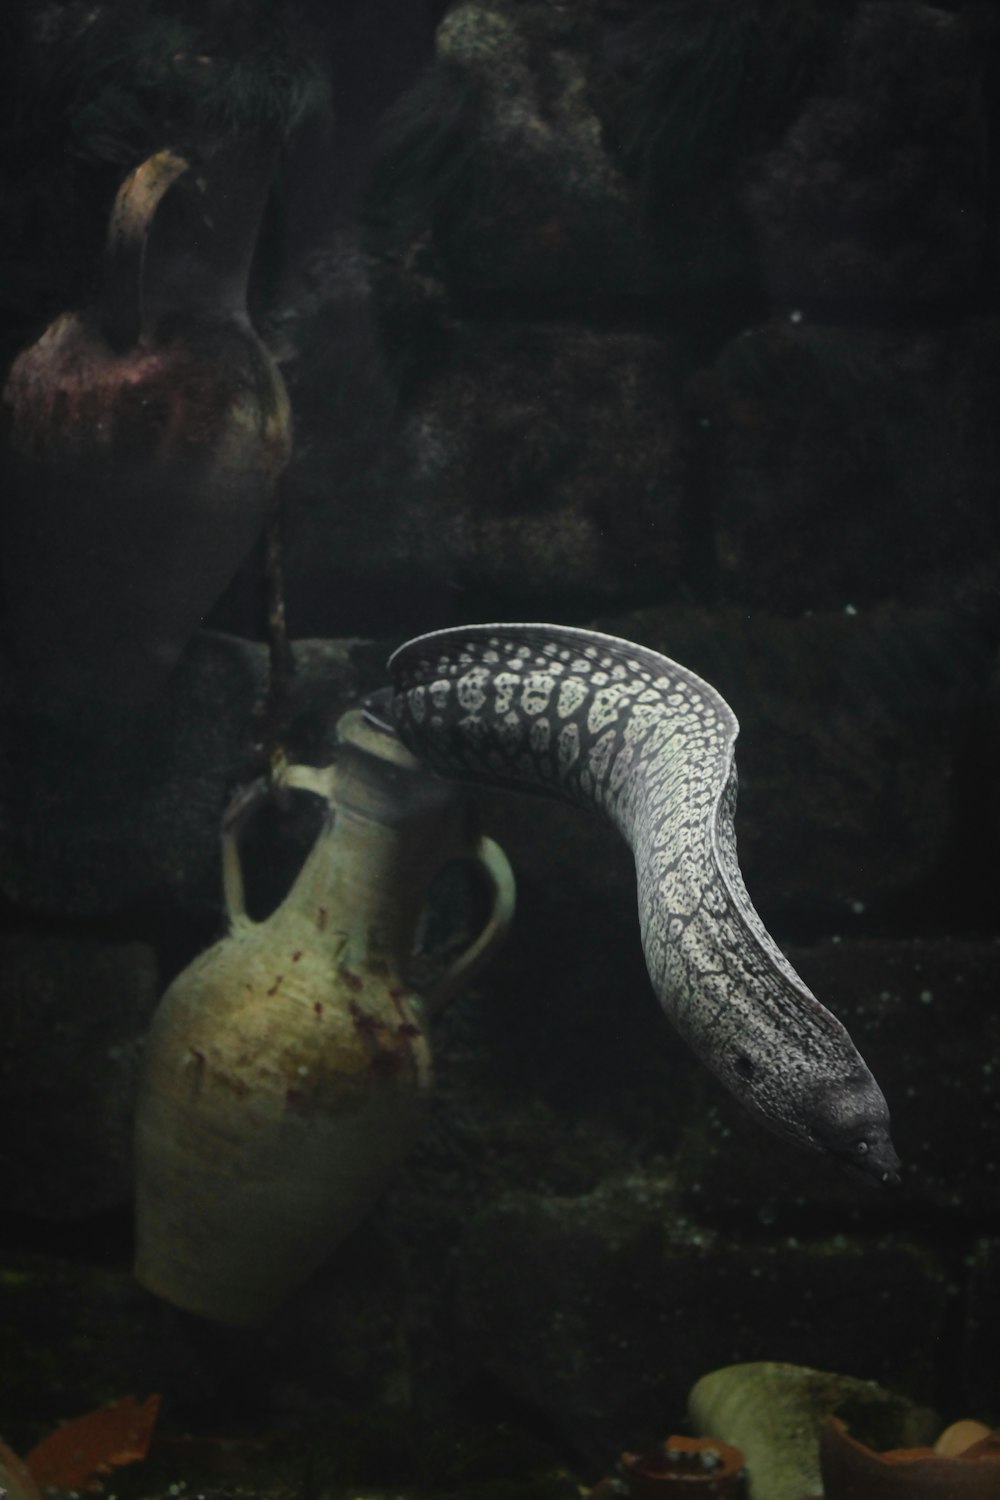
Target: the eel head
pixel 849 1120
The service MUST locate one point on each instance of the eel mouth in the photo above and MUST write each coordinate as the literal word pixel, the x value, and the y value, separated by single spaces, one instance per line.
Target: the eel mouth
pixel 878 1169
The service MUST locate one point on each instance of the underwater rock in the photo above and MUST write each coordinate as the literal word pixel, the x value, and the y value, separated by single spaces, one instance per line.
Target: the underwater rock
pixel 500 150
pixel 876 197
pixel 528 462
pixel 683 93
pixel 75 1014
pixel 74 1331
pixel 844 466
pixel 333 1385
pixel 600 1310
pixel 545 467
pixel 106 809
pixel 924 1012
pixel 775 1413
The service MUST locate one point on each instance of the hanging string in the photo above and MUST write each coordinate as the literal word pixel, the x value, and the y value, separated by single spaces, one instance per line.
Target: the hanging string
pixel 281 663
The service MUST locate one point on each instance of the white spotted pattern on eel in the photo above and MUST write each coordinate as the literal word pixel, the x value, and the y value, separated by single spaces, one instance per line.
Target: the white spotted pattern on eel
pixel 619 728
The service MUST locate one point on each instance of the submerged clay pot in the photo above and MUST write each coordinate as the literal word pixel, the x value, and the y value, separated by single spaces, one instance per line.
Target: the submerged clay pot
pixel 697 1467
pixel 147 435
pixel 853 1471
pixel 288 1069
pixel 774 1414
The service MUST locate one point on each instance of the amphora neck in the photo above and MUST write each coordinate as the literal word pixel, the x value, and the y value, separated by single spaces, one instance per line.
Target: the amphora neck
pixel 390 826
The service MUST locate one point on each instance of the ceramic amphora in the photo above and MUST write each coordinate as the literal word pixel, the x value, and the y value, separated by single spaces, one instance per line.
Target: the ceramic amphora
pixel 147 434
pixel 288 1068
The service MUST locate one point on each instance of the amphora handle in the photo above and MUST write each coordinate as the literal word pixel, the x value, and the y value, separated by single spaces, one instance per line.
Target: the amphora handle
pixel 493 864
pixel 317 779
pixel 181 238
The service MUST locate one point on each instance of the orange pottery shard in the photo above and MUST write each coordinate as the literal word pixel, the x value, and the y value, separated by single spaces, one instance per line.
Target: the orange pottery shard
pixel 852 1471
pixel 71 1457
pixel 685 1465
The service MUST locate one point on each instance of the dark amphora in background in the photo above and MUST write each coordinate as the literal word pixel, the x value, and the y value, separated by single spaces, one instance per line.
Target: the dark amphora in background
pixel 147 435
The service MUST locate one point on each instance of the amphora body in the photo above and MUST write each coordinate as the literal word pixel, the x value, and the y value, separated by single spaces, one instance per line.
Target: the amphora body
pixel 288 1068
pixel 147 434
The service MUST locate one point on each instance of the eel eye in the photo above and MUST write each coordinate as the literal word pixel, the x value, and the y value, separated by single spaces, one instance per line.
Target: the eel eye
pixel 743 1065
pixel 862 1148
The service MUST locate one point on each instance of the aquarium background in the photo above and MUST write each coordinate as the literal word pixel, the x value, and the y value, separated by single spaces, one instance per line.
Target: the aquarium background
pixel 677 320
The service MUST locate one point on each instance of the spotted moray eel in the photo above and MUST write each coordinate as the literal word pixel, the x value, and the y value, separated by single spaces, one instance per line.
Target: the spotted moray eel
pixel 618 728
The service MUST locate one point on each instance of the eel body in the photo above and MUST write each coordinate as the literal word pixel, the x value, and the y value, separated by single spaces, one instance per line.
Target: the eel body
pixel 621 729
